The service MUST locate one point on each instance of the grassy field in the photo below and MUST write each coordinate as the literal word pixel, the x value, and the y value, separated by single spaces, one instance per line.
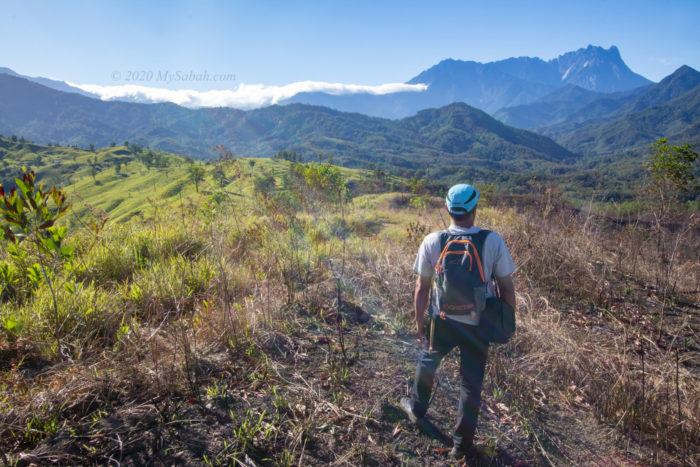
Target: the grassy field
pixel 266 320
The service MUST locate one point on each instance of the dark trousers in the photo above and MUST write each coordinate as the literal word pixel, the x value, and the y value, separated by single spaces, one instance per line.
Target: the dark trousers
pixel 473 351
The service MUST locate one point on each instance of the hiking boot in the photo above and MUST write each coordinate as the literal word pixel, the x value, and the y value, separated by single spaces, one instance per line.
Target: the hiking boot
pixel 407 407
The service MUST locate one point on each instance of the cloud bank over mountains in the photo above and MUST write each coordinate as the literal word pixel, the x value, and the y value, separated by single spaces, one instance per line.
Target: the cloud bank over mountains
pixel 245 96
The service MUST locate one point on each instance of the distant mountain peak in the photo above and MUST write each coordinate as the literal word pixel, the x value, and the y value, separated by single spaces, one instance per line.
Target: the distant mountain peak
pixel 597 69
pixel 682 72
pixel 592 52
pixel 614 51
pixel 48 82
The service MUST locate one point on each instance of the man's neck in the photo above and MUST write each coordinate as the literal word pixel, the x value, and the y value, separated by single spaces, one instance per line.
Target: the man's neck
pixel 464 225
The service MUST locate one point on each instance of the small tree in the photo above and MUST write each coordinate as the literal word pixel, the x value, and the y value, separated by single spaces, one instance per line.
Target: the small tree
pixel 671 169
pixel 419 197
pixel 28 215
pixel 219 175
pixel 196 174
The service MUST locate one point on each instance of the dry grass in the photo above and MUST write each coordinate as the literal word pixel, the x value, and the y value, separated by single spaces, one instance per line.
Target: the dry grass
pixel 236 318
pixel 591 328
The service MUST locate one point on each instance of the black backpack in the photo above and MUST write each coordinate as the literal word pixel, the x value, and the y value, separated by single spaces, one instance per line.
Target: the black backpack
pixel 497 322
pixel 460 283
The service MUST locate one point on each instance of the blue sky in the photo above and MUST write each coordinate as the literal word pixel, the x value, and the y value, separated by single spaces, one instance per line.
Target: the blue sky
pixel 359 42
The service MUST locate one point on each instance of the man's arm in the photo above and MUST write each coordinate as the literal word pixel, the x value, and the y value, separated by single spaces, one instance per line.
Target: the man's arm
pixel 420 299
pixel 507 290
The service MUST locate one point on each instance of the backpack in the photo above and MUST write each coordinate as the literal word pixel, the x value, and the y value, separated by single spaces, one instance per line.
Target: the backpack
pixel 460 283
pixel 497 322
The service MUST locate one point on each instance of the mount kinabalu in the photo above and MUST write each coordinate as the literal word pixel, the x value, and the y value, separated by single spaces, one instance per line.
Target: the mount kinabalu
pixel 492 86
pixel 486 86
pixel 453 135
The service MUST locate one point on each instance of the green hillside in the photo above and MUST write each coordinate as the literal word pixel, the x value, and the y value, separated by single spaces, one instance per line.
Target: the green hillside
pixel 134 181
pixel 119 180
pixel 126 181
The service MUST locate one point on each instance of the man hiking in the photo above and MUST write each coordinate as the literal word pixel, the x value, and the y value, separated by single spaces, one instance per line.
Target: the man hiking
pixel 459 264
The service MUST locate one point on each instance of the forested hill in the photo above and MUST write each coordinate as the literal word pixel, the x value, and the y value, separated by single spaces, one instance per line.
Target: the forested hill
pixel 597 124
pixel 677 119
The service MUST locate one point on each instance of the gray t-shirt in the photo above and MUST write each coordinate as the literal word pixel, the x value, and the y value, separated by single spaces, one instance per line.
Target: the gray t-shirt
pixel 495 260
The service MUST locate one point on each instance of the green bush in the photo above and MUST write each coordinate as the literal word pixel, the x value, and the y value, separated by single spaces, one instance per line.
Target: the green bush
pixel 88 318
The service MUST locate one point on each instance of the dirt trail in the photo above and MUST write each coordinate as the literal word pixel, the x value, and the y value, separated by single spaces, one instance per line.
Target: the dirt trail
pixel 569 436
pixel 295 411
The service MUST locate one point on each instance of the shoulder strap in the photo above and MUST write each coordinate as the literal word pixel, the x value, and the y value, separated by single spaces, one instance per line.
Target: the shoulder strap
pixel 444 237
pixel 479 239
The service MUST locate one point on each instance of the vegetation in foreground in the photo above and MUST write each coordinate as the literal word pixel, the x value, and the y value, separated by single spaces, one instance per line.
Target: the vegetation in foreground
pixel 265 319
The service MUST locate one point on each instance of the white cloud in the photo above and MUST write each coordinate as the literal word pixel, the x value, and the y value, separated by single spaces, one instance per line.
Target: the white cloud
pixel 245 96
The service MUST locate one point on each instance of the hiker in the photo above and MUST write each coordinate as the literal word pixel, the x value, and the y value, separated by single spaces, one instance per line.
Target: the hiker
pixel 454 314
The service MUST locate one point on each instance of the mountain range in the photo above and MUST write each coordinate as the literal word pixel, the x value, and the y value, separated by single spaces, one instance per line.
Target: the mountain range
pixel 632 122
pixel 456 134
pixel 486 86
pixel 494 85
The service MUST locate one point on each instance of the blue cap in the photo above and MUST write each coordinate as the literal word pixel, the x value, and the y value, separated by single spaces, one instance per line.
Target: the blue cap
pixel 462 198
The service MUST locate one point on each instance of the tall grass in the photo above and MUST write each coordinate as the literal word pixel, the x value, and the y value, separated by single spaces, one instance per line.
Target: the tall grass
pixel 592 318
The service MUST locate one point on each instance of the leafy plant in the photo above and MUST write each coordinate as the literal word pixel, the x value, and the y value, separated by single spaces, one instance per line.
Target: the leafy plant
pixel 671 168
pixel 29 216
